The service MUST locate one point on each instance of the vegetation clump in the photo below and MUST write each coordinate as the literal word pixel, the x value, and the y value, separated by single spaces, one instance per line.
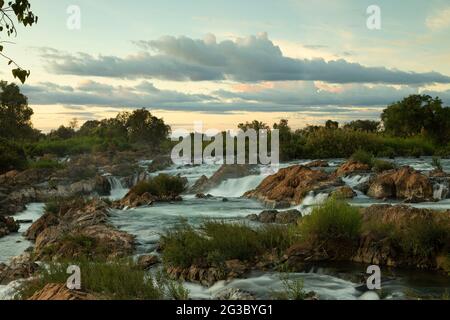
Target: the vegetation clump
pixel 160 186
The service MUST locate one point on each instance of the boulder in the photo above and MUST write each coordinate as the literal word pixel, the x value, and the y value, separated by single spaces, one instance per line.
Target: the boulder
pixel 225 172
pixel 350 167
pixel 145 262
pixel 160 163
pixel 317 164
pixel 59 292
pixel 274 216
pixel 291 185
pixel 8 225
pixel 344 192
pixel 404 183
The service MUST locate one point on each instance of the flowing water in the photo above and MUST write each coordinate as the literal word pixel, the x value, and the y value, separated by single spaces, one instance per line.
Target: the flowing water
pixel 330 282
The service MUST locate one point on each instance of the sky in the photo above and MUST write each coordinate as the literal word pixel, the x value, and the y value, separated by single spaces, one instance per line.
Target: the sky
pixel 226 62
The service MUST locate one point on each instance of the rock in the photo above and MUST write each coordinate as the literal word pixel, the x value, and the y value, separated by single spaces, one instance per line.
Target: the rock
pixel 291 185
pixel 268 216
pixel 404 183
pixel 132 200
pixel 288 217
pixel 79 230
pixel 344 192
pixel 225 200
pixel 160 163
pixel 7 226
pixel 59 292
pixel 225 172
pixel 145 262
pixel 203 196
pixel 274 216
pixel 20 267
pixel 317 164
pixel 351 167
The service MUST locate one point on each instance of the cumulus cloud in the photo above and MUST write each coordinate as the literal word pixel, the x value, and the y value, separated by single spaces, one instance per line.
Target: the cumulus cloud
pixel 250 59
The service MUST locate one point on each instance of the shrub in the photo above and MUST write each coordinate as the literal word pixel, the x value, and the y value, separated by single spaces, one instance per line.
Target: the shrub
pixel 382 165
pixel 436 163
pixel 293 289
pixel 162 185
pixel 363 157
pixel 45 164
pixel 12 156
pixel 119 280
pixel 216 242
pixel 334 220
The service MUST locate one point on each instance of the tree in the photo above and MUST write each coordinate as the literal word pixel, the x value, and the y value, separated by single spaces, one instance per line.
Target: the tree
pixel 330 124
pixel 19 10
pixel 418 114
pixel 255 125
pixel 15 114
pixel 363 125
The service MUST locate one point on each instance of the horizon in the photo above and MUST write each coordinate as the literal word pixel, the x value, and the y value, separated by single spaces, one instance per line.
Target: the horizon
pixel 225 63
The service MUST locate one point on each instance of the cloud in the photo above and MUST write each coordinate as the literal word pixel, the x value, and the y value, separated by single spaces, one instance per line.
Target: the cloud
pixel 250 59
pixel 299 96
pixel 439 20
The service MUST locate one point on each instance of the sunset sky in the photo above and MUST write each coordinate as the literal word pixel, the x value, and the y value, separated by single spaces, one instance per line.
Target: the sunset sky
pixel 225 62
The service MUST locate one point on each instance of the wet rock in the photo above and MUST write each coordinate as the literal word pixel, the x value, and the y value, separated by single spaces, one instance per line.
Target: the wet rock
pixel 344 192
pixel 8 225
pixel 80 230
pixel 59 292
pixel 291 185
pixel 274 216
pixel 317 164
pixel 160 163
pixel 225 172
pixel 351 167
pixel 203 196
pixel 21 267
pixel 147 261
pixel 404 183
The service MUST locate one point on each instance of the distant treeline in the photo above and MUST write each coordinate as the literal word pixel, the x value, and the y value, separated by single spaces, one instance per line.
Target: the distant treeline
pixel 418 125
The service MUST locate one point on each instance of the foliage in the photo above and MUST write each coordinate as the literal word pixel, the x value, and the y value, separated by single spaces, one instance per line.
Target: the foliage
pixel 216 242
pixel 363 125
pixel 334 220
pixel 382 165
pixel 293 289
pixel 20 10
pixel 161 185
pixel 436 163
pixel 45 164
pixel 118 280
pixel 364 157
pixel 12 156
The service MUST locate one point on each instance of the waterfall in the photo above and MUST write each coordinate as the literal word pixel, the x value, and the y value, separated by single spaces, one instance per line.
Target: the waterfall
pixel 118 191
pixel 440 191
pixel 235 188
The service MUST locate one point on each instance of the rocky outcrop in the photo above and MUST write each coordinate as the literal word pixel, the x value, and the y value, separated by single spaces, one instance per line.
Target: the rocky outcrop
pixel 274 216
pixel 59 292
pixel 8 225
pixel 21 267
pixel 344 192
pixel 159 163
pixel 132 200
pixel 146 262
pixel 225 172
pixel 317 164
pixel 381 249
pixel 291 185
pixel 80 230
pixel 404 183
pixel 352 167
pixel 209 275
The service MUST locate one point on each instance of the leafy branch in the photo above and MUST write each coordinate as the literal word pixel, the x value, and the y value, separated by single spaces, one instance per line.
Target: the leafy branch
pixel 21 9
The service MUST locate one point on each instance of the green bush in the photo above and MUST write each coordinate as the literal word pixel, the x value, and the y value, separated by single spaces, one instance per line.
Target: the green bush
pixel 45 164
pixel 293 289
pixel 362 156
pixel 119 280
pixel 216 242
pixel 436 163
pixel 382 165
pixel 334 220
pixel 12 156
pixel 161 185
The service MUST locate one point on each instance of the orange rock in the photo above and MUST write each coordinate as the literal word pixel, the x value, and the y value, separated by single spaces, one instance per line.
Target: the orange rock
pixel 59 292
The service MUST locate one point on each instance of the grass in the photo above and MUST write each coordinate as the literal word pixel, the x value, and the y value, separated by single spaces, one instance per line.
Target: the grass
pixel 63 204
pixel 293 289
pixel 45 164
pixel 162 185
pixel 334 220
pixel 364 157
pixel 216 242
pixel 436 163
pixel 119 280
pixel 382 165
